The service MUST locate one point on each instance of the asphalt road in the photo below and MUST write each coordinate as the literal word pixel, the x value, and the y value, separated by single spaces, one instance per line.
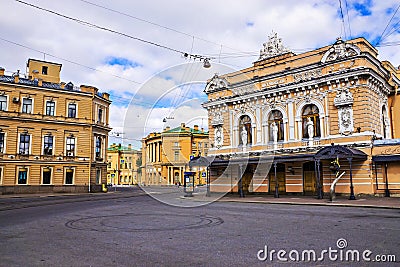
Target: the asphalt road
pixel 131 229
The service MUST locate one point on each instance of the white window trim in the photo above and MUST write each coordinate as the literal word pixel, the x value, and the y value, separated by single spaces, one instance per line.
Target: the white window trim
pixel 98 182
pixel 30 143
pixel 27 175
pixel 55 107
pixel 76 109
pixel 102 140
pixel 5 143
pixel 73 176
pixel 41 175
pixel 7 102
pixel 54 142
pixel 65 147
pixel 1 174
pixel 33 105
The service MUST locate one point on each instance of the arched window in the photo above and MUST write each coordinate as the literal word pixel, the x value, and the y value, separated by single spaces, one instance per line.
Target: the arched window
pixel 310 118
pixel 275 120
pixel 245 133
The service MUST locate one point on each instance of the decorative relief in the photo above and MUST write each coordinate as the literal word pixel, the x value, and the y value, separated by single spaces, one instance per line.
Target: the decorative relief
pixel 391 150
pixel 274 82
pixel 217 119
pixel 216 83
pixel 340 50
pixel 244 90
pixel 346 120
pixel 307 75
pixel 343 97
pixel 218 136
pixel 273 47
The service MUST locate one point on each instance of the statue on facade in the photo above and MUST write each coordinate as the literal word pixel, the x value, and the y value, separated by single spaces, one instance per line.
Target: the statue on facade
pixel 310 128
pixel 274 129
pixel 244 136
pixel 273 47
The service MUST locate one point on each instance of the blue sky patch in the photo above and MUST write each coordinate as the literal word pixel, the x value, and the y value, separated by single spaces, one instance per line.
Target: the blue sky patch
pixel 363 9
pixel 249 24
pixel 124 62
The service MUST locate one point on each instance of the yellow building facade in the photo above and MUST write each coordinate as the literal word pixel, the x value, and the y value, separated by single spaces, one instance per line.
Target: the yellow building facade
pixel 165 155
pixel 53 135
pixel 124 164
pixel 291 124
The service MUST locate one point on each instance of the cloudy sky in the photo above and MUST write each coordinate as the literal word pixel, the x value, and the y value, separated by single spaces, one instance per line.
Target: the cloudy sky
pixel 141 63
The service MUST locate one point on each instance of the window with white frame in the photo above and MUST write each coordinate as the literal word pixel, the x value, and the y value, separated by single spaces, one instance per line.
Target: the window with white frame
pixel 100 115
pixel 27 105
pixel 72 110
pixel 2 142
pixel 69 176
pixel 1 175
pixel 70 149
pixel 46 175
pixel 24 143
pixel 48 141
pixel 3 103
pixel 98 147
pixel 22 175
pixel 98 176
pixel 50 107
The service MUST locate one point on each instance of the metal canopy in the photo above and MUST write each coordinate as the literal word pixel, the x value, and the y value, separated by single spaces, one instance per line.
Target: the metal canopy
pixel 199 162
pixel 338 151
pixel 386 158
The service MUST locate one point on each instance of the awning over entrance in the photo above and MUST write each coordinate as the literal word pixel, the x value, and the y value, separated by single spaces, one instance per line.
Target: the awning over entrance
pixel 386 158
pixel 337 151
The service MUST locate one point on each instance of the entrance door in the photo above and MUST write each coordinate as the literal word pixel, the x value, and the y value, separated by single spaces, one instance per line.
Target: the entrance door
pixel 246 179
pixel 309 178
pixel 280 174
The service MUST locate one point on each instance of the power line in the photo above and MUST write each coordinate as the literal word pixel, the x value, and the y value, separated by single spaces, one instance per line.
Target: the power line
pixel 387 25
pixel 156 24
pixel 67 60
pixel 348 17
pixel 341 13
pixel 185 54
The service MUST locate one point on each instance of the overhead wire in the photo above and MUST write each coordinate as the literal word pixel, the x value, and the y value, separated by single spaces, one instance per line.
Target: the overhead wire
pixel 381 38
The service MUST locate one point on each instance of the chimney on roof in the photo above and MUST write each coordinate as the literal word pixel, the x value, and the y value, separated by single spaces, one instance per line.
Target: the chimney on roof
pixel 167 128
pixel 129 146
pixel 202 130
pixel 2 70
pixel 196 127
pixel 182 125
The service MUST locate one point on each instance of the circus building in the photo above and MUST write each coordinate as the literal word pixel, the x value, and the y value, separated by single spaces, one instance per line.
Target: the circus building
pixel 297 124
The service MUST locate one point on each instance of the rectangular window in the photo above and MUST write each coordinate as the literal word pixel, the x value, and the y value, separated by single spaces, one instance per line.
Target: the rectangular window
pixel 100 115
pixel 2 142
pixel 1 175
pixel 48 145
pixel 3 103
pixel 98 147
pixel 69 176
pixel 176 155
pixel 27 105
pixel 98 176
pixel 70 146
pixel 130 165
pixel 44 70
pixel 71 110
pixel 46 175
pixel 24 142
pixel 50 107
pixel 176 144
pixel 22 175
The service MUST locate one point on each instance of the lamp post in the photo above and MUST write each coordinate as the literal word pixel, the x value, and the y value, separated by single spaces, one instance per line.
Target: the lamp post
pixel 352 197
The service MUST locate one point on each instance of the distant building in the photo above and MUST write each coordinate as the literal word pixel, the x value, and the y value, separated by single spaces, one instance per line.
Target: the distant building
pixel 53 135
pixel 165 155
pixel 291 124
pixel 123 166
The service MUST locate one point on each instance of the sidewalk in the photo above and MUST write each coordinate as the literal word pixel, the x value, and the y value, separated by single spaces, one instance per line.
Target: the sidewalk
pixel 361 201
